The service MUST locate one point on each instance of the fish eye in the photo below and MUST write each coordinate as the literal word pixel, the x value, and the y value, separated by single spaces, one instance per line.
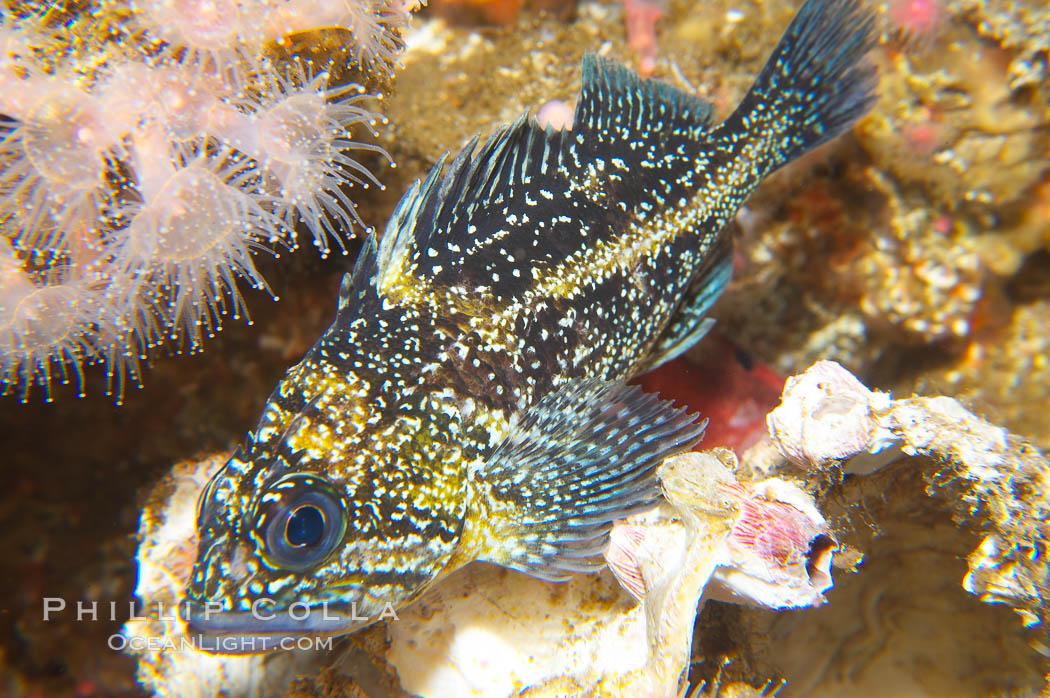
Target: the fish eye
pixel 300 521
pixel 305 526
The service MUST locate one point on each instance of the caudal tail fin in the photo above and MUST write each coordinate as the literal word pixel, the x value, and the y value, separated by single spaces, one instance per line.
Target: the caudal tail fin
pixel 813 87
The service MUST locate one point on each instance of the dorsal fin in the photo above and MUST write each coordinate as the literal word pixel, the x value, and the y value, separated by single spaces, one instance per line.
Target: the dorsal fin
pixel 489 192
pixel 437 211
pixel 398 236
pixel 617 101
pixel 361 277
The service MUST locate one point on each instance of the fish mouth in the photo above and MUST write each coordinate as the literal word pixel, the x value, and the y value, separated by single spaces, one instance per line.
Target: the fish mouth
pixel 266 629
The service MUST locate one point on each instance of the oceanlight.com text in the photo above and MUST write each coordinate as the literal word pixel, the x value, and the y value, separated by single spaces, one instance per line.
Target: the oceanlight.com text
pixel 216 645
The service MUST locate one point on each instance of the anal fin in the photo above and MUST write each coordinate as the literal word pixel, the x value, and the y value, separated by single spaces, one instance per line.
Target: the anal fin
pixel 580 459
pixel 689 324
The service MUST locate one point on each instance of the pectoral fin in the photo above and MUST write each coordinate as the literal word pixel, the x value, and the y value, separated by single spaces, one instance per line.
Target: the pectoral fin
pixel 580 459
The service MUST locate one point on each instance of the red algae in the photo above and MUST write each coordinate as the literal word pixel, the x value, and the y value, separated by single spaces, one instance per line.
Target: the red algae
pixel 725 384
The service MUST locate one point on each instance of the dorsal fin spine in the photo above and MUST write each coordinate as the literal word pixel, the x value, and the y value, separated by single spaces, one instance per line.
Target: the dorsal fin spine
pixel 614 99
pixel 433 214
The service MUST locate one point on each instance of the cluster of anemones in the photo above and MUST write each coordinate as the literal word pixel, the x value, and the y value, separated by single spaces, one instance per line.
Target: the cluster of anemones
pixel 142 169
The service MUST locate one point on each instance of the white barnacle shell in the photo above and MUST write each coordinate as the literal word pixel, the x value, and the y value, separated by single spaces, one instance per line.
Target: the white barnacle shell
pixel 827 415
pixel 779 553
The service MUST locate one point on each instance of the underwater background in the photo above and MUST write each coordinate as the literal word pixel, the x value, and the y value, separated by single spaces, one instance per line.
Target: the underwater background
pixel 914 251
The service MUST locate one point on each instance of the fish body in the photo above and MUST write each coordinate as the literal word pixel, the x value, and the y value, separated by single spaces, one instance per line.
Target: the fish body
pixel 468 401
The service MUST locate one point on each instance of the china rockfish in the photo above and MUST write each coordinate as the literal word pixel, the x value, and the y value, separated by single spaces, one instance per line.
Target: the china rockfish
pixel 468 401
